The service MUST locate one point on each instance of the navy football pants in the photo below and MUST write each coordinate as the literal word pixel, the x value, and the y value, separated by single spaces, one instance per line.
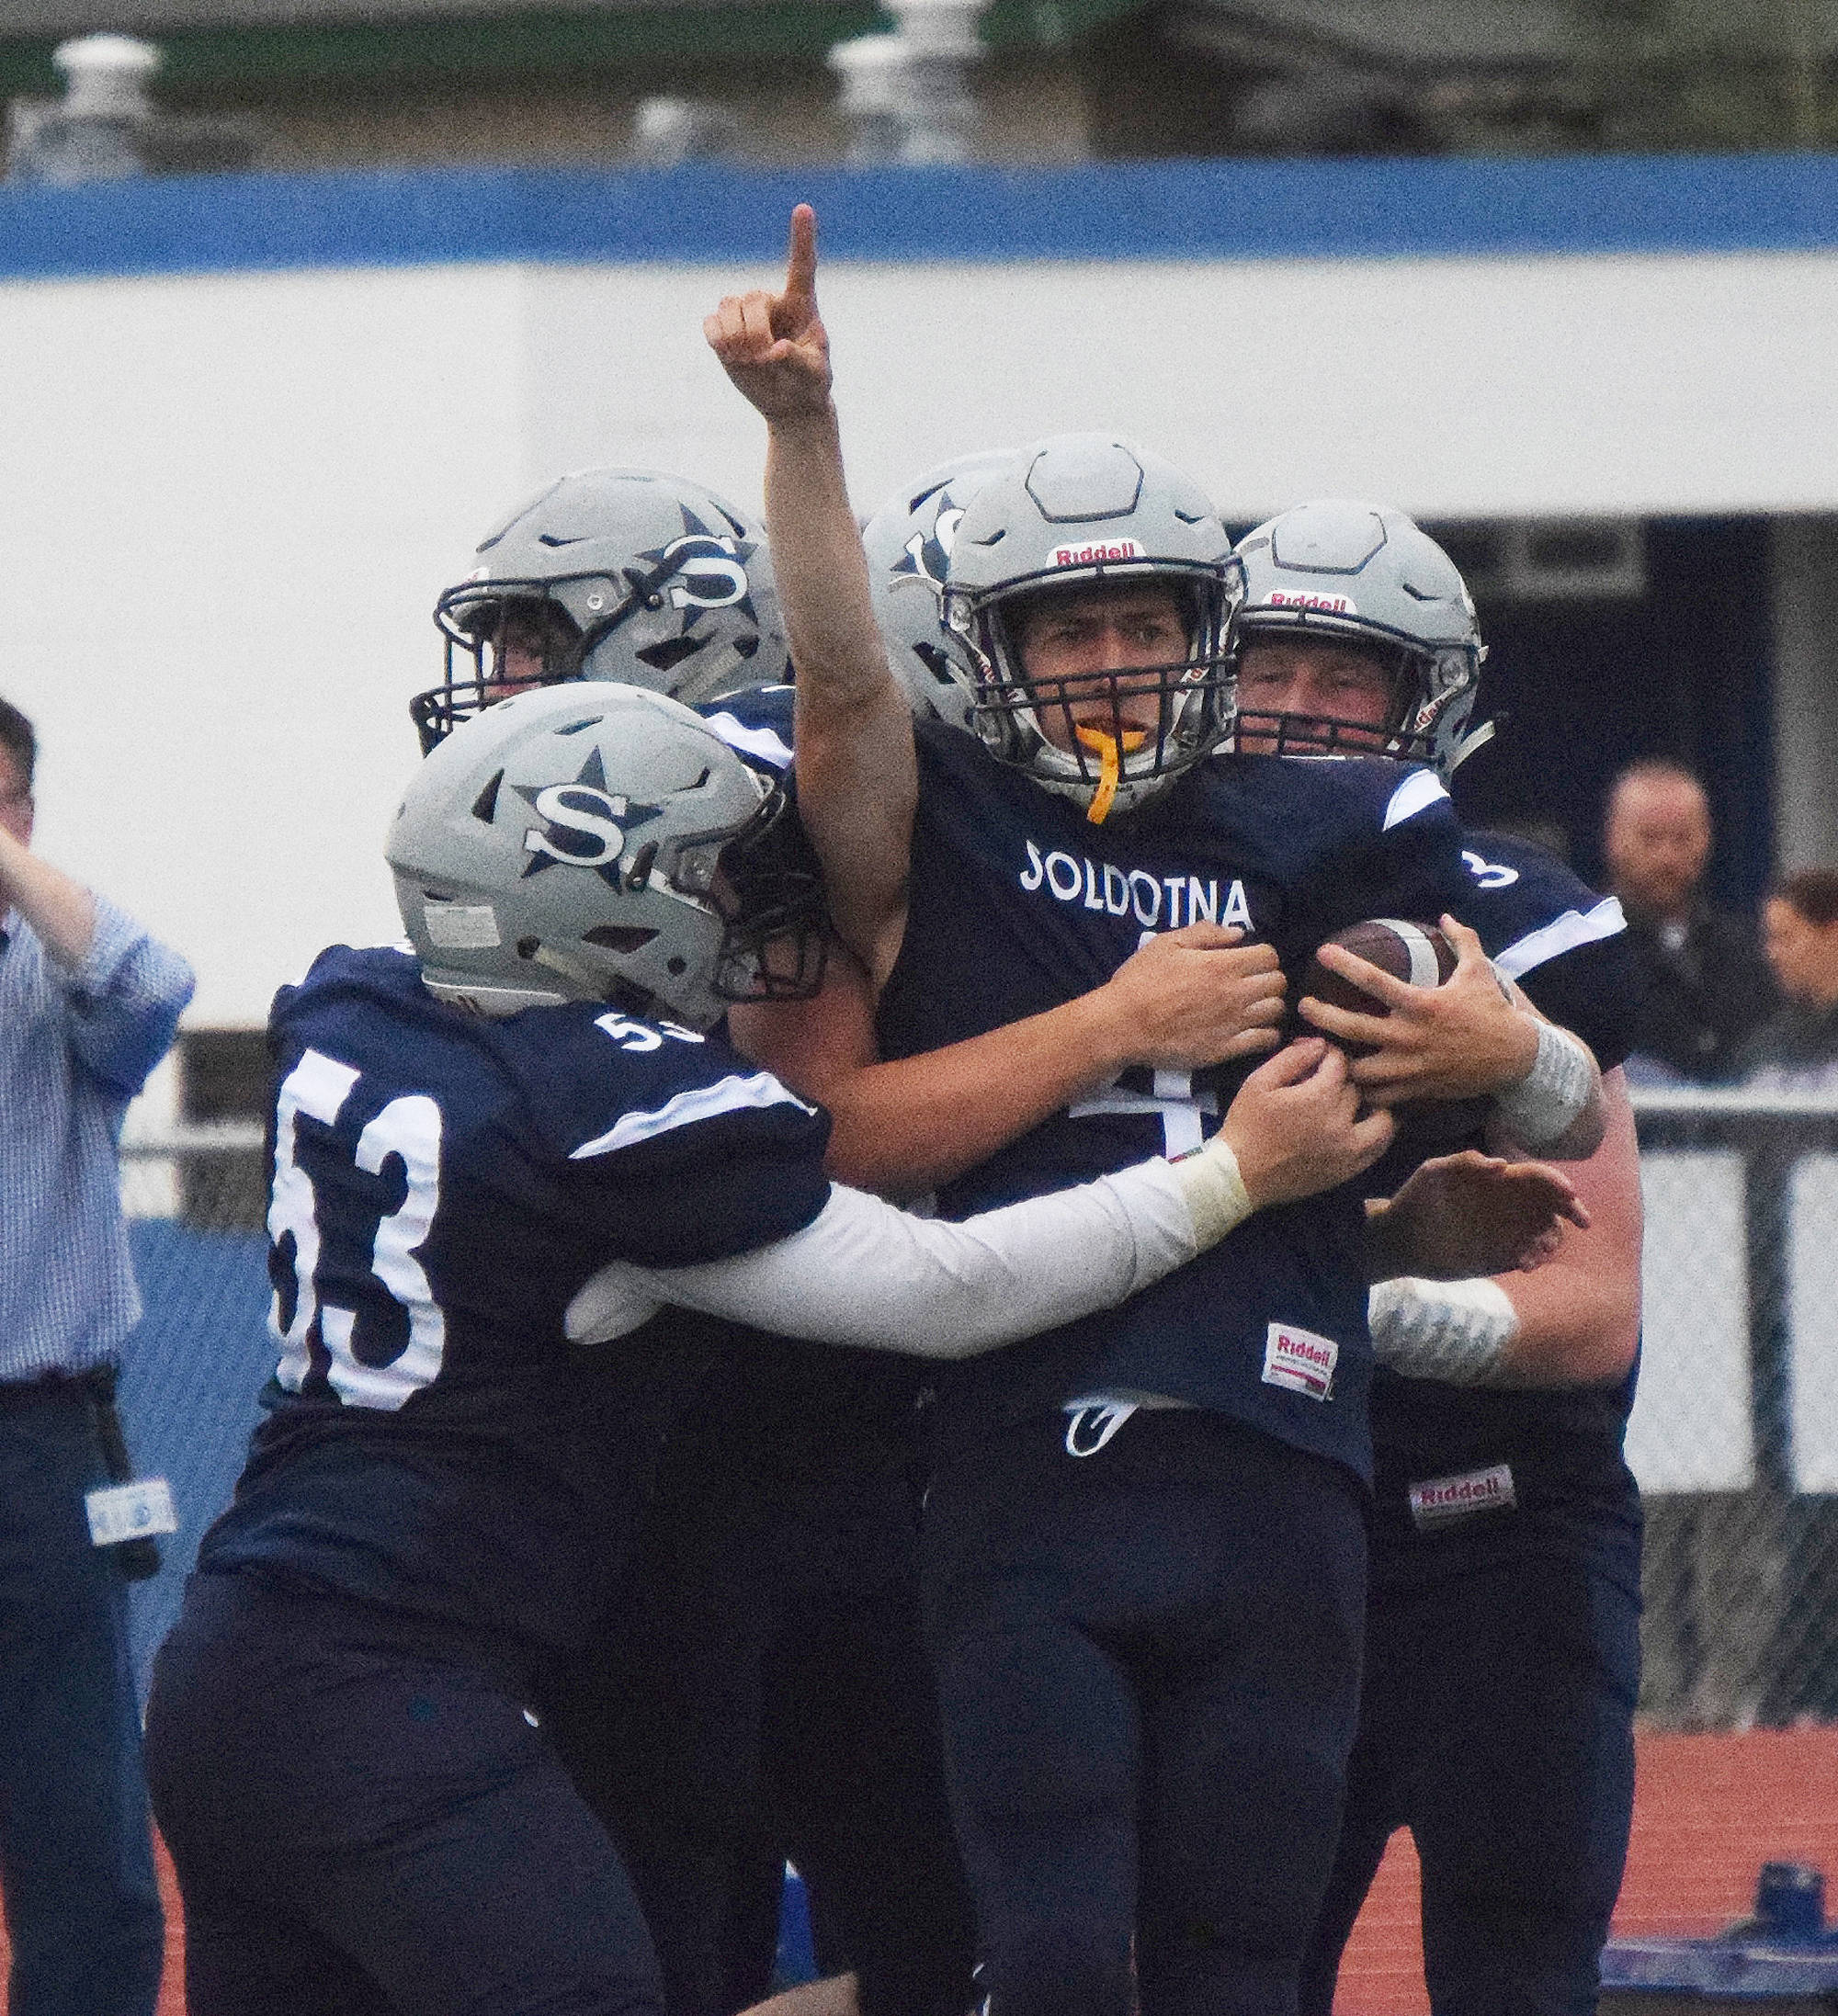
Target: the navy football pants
pixel 1497 1725
pixel 1149 1666
pixel 363 1829
pixel 77 1859
pixel 766 1695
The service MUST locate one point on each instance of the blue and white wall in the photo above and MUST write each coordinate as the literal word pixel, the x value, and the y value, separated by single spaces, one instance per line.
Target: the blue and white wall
pixel 248 427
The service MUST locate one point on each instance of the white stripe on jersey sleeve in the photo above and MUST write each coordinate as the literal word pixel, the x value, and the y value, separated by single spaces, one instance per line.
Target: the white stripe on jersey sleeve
pixel 1422 787
pixel 767 744
pixel 703 1103
pixel 1562 935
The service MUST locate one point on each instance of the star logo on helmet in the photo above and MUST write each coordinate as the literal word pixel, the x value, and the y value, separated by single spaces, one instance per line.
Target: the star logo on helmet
pixel 584 825
pixel 701 571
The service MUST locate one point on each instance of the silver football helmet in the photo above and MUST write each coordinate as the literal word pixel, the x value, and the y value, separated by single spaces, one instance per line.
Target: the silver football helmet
pixel 1369 575
pixel 609 573
pixel 1085 511
pixel 602 843
pixel 909 543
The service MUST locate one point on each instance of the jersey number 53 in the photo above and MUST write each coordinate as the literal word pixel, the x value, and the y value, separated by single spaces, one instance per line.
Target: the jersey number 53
pixel 409 1127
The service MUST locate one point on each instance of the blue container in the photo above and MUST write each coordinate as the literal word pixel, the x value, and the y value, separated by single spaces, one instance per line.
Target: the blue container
pixel 1781 1959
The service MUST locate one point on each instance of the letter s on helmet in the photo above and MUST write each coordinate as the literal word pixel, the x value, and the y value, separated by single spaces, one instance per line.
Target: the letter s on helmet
pixel 601 841
pixel 909 542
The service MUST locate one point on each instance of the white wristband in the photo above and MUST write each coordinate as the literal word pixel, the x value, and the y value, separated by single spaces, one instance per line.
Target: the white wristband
pixel 1554 1095
pixel 1453 1330
pixel 1214 1191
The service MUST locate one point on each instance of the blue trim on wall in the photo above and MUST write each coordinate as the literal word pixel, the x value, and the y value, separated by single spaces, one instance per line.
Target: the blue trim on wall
pixel 701 214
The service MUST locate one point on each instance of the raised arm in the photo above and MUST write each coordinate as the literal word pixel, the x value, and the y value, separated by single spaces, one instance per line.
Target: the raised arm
pixel 858 782
pixel 124 992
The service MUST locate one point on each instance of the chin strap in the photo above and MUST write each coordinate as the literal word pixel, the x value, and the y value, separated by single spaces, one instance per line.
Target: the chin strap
pixel 1110 750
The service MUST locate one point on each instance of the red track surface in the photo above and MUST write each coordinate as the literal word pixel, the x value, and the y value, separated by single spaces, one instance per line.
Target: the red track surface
pixel 1710 1810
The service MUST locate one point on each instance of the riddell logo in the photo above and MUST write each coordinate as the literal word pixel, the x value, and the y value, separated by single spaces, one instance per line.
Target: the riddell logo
pixel 1438 1499
pixel 1291 598
pixel 1086 555
pixel 1300 1360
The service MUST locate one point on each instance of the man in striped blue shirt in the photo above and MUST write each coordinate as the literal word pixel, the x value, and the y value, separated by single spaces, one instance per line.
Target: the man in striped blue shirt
pixel 88 1004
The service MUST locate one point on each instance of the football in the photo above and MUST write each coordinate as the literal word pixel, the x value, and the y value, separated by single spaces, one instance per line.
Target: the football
pixel 1416 953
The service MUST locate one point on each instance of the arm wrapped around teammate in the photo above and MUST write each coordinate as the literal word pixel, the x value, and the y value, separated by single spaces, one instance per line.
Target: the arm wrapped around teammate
pixel 866 1274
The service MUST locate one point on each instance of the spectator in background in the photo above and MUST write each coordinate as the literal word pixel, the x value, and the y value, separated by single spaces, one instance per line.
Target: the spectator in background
pixel 1797 1048
pixel 1704 983
pixel 88 1003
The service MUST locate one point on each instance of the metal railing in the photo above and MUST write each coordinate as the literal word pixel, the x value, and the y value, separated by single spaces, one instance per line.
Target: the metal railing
pixel 1734 1435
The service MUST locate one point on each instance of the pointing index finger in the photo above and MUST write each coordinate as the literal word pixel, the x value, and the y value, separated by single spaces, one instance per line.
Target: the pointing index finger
pixel 800 257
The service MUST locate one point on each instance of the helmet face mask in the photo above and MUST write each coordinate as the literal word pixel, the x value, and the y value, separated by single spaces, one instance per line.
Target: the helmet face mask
pixel 1145 718
pixel 1086 521
pixel 617 574
pixel 770 891
pixel 1370 580
pixel 604 844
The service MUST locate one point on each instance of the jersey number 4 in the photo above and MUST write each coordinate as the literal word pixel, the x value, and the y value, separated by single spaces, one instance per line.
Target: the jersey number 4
pixel 318 1087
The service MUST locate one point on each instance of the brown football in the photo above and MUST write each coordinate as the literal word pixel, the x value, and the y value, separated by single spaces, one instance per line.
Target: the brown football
pixel 1416 953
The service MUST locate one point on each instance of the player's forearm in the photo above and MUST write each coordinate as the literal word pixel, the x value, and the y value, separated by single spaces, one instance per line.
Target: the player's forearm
pixel 1573 1321
pixel 1558 1112
pixel 907 1126
pixel 866 1274
pixel 822 571
pixel 1577 1326
pixel 1579 1317
pixel 857 775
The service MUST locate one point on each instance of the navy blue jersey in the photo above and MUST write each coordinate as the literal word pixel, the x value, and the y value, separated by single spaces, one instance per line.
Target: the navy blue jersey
pixel 445 1184
pixel 1019 904
pixel 755 724
pixel 1507 1470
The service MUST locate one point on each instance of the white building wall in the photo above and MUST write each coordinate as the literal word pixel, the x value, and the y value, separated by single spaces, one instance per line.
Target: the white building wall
pixel 229 500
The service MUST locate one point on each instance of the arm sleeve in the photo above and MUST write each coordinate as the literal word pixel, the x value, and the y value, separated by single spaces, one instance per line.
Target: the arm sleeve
pixel 865 1274
pixel 124 999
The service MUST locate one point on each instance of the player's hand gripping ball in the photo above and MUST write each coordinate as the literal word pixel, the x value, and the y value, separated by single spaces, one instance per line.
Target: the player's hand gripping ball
pixel 1417 954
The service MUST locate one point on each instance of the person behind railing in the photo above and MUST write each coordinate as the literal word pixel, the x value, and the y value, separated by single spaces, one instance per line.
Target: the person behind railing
pixel 1797 1048
pixel 88 1003
pixel 1705 985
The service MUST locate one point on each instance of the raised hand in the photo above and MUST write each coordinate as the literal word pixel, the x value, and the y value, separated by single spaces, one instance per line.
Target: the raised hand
pixel 773 345
pixel 1471 1213
pixel 1464 1039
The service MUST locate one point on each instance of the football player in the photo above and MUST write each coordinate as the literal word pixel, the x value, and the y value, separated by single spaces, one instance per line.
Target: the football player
pixel 608 574
pixel 759 1690
pixel 498 1158
pixel 1144 1546
pixel 1502 1652
pixel 787 1476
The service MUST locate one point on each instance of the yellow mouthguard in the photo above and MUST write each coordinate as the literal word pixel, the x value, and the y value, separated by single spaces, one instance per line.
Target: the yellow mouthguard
pixel 1111 751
